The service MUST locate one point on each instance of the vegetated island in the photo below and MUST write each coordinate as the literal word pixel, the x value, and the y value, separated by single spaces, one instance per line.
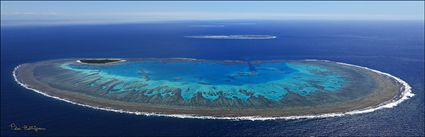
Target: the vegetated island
pixel 216 89
pixel 99 61
pixel 233 37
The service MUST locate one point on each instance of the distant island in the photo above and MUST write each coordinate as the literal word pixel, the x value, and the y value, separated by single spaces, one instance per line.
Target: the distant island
pixel 233 37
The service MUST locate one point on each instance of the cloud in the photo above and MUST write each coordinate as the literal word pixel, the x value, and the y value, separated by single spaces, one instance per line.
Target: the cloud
pixel 28 13
pixel 28 18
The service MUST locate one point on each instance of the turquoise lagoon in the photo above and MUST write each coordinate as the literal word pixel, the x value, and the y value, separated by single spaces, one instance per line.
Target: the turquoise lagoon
pixel 238 80
pixel 208 83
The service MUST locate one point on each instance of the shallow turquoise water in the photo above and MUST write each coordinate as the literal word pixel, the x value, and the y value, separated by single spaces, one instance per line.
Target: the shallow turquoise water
pixel 242 80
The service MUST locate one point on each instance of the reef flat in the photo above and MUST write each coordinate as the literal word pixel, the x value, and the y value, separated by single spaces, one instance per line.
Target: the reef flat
pixel 275 88
pixel 233 37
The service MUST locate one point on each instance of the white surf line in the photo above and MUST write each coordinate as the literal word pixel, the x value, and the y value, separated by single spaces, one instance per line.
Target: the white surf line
pixel 207 26
pixel 406 94
pixel 232 37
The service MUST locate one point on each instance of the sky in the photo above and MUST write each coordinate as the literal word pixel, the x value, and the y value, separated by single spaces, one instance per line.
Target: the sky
pixel 69 12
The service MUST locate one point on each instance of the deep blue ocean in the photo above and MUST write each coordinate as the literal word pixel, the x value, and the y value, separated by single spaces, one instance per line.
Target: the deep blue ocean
pixel 395 47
